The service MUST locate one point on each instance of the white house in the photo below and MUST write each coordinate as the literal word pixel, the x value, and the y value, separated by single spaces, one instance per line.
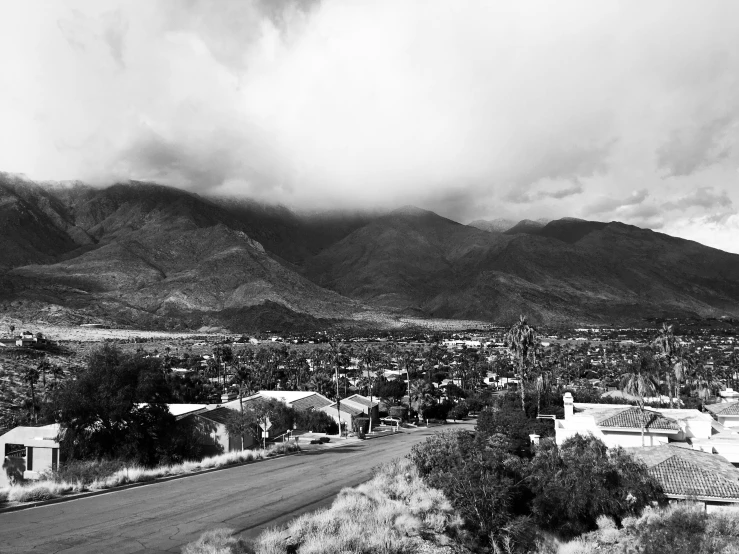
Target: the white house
pixel 28 452
pixel 621 424
pixel 726 413
pixel 728 395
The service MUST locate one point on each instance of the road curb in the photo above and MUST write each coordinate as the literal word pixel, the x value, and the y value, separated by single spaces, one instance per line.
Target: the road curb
pixel 88 494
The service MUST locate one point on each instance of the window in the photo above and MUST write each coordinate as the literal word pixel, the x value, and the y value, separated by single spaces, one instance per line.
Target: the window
pixel 29 459
pixel 15 450
pixel 54 458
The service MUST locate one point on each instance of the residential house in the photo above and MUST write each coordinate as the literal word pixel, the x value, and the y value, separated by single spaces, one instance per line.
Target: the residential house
pixel 687 474
pixel 215 438
pixel 728 395
pixel 621 424
pixel 343 413
pixel 28 452
pixel 726 413
pixel 369 407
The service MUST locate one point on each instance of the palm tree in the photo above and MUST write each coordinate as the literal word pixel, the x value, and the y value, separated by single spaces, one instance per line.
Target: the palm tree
pixel 522 340
pixel 369 358
pixel 667 352
pixel 639 382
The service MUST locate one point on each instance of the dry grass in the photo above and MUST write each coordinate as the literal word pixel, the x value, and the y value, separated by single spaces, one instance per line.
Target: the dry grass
pixel 47 489
pixel 394 513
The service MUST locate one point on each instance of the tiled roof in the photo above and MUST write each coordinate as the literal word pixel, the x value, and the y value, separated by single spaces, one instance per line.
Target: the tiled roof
pixel 631 418
pixel 724 409
pixel 684 472
pixel 314 401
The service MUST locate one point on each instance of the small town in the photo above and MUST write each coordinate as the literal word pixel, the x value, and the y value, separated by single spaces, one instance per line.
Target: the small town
pixel 662 396
pixel 369 277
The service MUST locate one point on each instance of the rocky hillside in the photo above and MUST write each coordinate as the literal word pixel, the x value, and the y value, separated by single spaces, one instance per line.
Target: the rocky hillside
pixel 145 255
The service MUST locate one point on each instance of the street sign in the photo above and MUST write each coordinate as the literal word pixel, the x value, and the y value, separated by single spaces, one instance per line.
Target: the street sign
pixel 265 424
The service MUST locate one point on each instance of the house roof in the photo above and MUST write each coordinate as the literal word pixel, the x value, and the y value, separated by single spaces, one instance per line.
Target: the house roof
pixel 219 415
pixel 363 400
pixel 724 409
pixel 344 408
pixel 690 473
pixel 631 418
pixel 286 396
pixel 314 401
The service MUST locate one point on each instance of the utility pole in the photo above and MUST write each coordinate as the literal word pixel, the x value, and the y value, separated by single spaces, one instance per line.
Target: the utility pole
pixel 338 398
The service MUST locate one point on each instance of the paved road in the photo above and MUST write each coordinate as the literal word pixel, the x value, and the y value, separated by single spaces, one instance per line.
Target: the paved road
pixel 162 517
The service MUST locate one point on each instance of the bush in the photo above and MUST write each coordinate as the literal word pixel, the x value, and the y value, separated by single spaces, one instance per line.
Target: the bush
pixel 437 411
pixel 85 472
pixel 508 419
pixel 595 481
pixel 483 484
pixel 460 410
pixel 360 424
pixel 317 421
pixel 399 412
pixel 394 512
pixel 218 541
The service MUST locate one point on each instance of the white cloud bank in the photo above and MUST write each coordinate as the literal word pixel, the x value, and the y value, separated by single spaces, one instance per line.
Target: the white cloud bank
pixel 602 110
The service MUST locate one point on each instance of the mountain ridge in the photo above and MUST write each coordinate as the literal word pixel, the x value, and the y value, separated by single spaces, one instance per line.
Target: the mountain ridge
pixel 145 254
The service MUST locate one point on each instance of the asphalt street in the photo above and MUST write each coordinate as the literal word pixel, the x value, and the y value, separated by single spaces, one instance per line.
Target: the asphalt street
pixel 162 517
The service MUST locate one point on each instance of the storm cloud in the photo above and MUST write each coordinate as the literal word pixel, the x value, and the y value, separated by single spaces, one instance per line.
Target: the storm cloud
pixel 473 109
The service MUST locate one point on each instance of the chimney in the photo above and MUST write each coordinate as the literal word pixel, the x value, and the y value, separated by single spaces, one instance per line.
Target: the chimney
pixel 569 405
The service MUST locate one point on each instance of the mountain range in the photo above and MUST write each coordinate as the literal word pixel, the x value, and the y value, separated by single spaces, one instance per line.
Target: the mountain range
pixel 144 255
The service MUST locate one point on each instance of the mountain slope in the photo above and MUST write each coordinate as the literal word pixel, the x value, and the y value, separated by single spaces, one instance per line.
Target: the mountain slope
pixel 160 255
pixel 141 254
pixel 568 271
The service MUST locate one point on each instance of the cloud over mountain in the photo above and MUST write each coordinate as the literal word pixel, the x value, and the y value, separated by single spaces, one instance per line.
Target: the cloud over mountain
pixel 475 110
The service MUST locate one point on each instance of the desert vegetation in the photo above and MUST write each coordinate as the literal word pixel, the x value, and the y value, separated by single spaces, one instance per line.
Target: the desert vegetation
pixel 95 475
pixel 395 512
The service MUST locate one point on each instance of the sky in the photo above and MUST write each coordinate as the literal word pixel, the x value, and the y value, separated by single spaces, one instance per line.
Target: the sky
pixel 607 110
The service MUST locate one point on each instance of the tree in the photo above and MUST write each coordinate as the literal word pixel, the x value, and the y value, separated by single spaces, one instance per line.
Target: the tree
pixel 667 353
pixel 639 381
pixel 390 392
pixel 30 376
pixel 522 341
pixel 595 481
pixel 115 407
pixel 369 359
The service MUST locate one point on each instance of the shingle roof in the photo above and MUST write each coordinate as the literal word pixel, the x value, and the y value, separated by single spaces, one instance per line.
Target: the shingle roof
pixel 632 418
pixel 345 408
pixel 314 401
pixel 684 472
pixel 219 415
pixel 359 399
pixel 724 409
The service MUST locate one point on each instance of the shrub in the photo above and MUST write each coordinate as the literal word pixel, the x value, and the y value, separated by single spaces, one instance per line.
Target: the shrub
pixel 33 494
pixel 317 421
pixel 460 410
pixel 218 541
pixel 85 471
pixel 437 411
pixel 399 412
pixel 508 419
pixel 483 483
pixel 360 424
pixel 392 513
pixel 595 481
